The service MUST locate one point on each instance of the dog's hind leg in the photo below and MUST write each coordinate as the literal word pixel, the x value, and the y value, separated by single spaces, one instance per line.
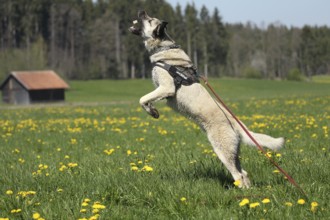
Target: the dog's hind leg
pixel 227 149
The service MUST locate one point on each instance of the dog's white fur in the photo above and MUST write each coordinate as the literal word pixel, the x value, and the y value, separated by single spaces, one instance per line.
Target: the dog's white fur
pixel 196 103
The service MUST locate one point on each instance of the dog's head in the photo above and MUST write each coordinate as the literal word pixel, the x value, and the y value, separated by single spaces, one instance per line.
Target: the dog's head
pixel 148 27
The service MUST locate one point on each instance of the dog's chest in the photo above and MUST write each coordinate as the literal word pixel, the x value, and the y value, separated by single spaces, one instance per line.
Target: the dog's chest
pixel 155 77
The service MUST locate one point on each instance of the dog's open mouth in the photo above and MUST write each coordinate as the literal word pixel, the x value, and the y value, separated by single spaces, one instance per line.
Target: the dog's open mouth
pixel 135 29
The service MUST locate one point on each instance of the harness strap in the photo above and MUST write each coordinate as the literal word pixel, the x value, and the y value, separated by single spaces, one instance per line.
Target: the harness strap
pixel 181 75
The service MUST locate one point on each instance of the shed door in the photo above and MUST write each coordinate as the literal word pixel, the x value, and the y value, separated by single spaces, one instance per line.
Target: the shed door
pixel 21 97
pixel 18 94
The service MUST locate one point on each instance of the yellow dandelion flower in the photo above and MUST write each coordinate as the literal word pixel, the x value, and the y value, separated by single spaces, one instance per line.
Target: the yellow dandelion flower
pixel 36 215
pixel 72 165
pixel 26 193
pixel 193 161
pixel 269 154
pixel 140 139
pixel 94 217
pixel 288 204
pixel 314 206
pixel 237 182
pixel 313 209
pixel 87 200
pixel 63 167
pixel 83 210
pixel 109 152
pixel 147 168
pixel 73 141
pixel 4 218
pixel 9 192
pixel 95 211
pixel 97 205
pixel 84 204
pixel 265 201
pixel 134 168
pixel 255 204
pixel 301 201
pixel 31 192
pixel 244 202
pixel 129 152
pixel 15 211
pixel 183 199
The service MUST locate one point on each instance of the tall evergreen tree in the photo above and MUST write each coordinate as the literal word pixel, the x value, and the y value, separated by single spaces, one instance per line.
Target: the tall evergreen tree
pixel 218 44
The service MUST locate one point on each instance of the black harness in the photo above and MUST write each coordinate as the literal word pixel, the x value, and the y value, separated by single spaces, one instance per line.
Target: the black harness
pixel 182 75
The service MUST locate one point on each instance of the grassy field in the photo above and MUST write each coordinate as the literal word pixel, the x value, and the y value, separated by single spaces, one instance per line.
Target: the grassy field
pixel 101 157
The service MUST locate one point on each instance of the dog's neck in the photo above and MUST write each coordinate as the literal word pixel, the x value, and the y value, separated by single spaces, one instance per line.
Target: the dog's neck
pixel 167 51
pixel 153 44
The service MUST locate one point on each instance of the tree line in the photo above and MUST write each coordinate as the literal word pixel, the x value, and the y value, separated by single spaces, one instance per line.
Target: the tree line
pixel 89 39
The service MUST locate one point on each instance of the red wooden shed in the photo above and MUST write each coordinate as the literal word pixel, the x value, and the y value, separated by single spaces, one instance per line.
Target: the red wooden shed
pixel 26 87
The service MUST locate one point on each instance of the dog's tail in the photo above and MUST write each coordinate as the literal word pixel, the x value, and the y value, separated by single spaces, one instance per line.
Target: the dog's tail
pixel 262 139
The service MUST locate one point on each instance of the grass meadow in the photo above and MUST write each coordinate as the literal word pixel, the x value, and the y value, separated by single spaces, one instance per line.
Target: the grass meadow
pixel 99 156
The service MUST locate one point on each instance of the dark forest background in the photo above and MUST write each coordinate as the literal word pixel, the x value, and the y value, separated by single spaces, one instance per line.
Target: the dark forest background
pixel 85 39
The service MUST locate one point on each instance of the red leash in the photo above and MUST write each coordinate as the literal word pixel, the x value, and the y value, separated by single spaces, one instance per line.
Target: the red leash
pixel 291 180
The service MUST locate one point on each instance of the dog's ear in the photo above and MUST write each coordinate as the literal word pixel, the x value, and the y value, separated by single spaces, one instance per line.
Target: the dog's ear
pixel 160 32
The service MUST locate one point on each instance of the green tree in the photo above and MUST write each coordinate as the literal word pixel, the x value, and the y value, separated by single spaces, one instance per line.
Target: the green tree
pixel 205 28
pixel 217 44
pixel 315 50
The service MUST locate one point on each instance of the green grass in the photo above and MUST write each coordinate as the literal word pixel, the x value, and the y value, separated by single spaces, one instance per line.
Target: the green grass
pixel 321 78
pixel 55 157
pixel 233 89
pixel 107 90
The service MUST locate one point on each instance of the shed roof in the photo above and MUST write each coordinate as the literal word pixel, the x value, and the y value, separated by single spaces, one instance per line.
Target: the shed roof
pixel 38 80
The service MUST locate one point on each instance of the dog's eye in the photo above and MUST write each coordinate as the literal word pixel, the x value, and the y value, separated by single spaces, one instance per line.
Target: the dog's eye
pixel 150 21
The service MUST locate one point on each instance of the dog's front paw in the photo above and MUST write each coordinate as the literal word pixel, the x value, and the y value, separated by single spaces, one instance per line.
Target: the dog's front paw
pixel 154 113
pixel 151 110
